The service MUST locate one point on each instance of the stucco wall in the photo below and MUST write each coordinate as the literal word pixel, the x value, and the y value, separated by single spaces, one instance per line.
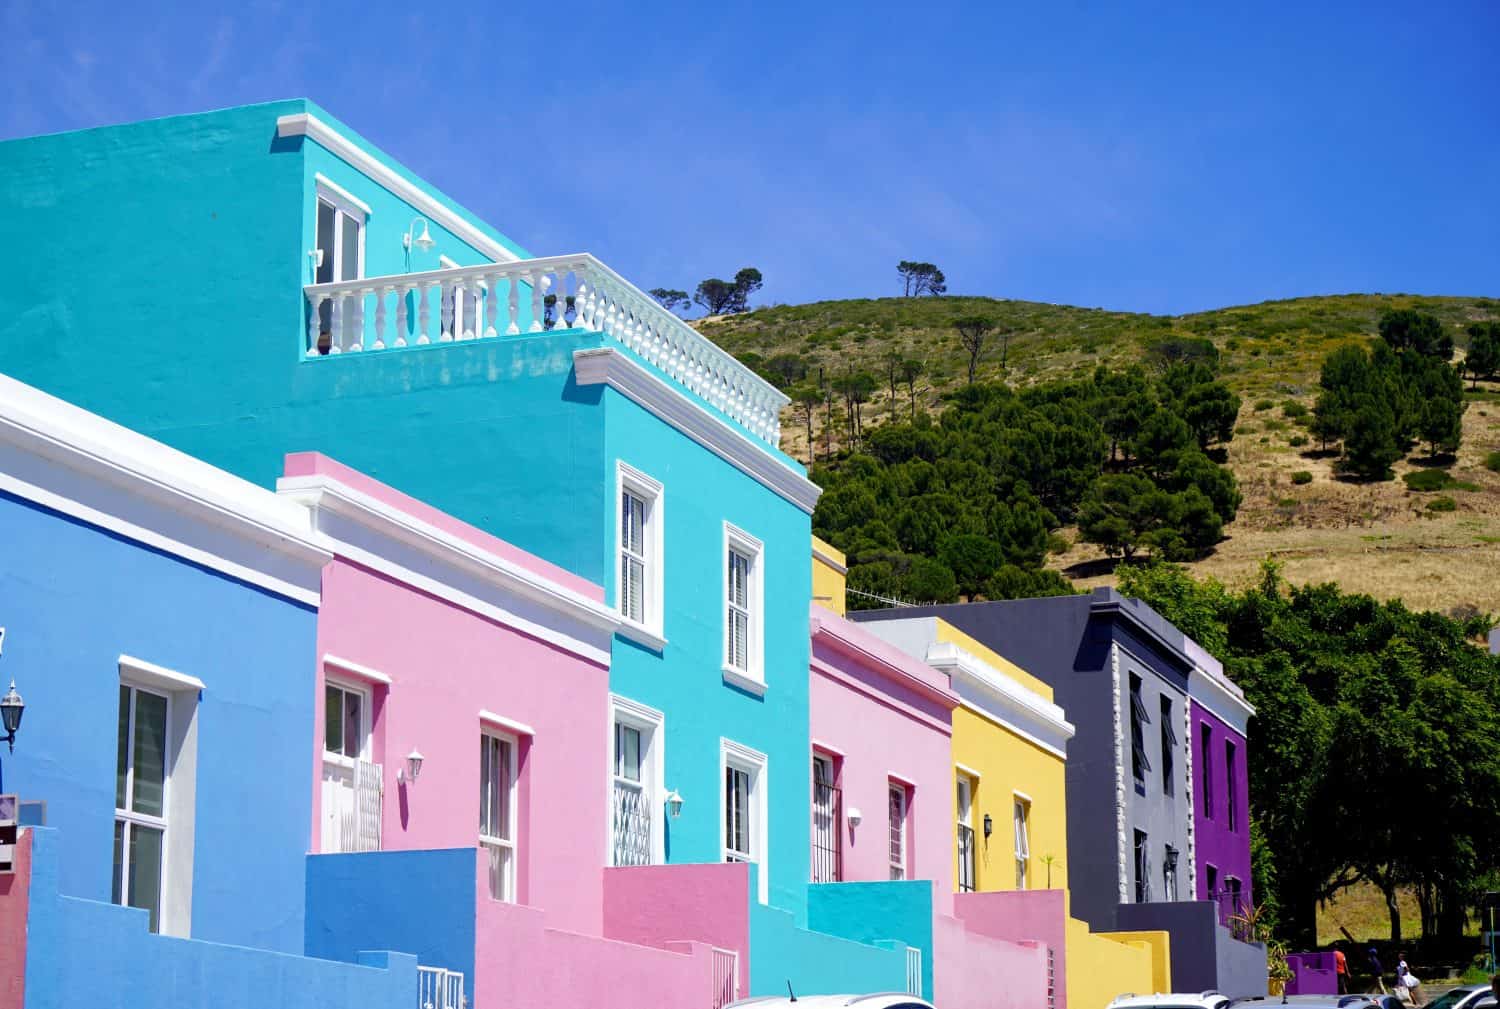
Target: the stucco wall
pixel 655 905
pixel 1204 954
pixel 1039 916
pixel 75 598
pixel 873 913
pixel 15 902
pixel 975 972
pixel 1217 845
pixel 1104 965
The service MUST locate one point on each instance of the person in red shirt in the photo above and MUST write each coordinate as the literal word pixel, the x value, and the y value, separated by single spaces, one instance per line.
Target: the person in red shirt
pixel 1341 968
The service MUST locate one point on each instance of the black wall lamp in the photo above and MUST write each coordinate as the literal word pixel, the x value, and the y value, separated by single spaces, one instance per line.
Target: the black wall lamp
pixel 11 706
pixel 989 826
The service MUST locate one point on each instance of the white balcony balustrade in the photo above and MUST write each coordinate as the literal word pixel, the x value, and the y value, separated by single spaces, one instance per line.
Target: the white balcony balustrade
pixel 532 296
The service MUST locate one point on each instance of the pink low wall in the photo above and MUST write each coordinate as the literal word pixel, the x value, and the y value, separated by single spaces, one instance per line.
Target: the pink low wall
pixel 521 961
pixel 656 905
pixel 15 903
pixel 1020 916
pixel 976 972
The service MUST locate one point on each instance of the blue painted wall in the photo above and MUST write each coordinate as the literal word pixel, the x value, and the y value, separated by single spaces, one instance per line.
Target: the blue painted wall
pixel 873 912
pixel 73 598
pixel 418 901
pixel 87 953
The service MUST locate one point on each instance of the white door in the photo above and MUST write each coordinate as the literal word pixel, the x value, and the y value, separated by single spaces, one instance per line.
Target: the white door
pixel 346 743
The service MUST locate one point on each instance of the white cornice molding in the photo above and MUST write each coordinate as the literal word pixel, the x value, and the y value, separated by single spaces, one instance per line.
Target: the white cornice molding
pixel 1209 691
pixel 611 367
pixel 64 458
pixel 828 558
pixel 151 675
pixel 359 671
pixel 305 124
pixel 371 532
pixel 1002 699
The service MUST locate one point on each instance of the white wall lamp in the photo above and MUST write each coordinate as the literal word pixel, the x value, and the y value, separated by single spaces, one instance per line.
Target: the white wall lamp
pixel 674 803
pixel 413 767
pixel 423 241
pixel 855 816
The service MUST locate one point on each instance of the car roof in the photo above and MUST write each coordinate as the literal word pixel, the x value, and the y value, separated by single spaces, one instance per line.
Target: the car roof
pixel 876 1000
pixel 1187 1000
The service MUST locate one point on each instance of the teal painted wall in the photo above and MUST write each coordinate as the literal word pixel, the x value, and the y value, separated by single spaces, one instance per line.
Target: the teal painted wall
pixel 869 912
pixel 817 963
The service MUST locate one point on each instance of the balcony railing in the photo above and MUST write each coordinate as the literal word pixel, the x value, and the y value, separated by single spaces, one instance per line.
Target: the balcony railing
pixel 726 967
pixel 965 859
pixel 440 989
pixel 533 296
pixel 827 814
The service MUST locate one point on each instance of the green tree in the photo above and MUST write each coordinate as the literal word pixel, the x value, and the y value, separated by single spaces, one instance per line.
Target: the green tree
pixel 918 279
pixel 806 399
pixel 671 300
pixel 911 370
pixel 1406 329
pixel 972 333
pixel 1122 512
pixel 1483 358
pixel 972 558
pixel 1370 439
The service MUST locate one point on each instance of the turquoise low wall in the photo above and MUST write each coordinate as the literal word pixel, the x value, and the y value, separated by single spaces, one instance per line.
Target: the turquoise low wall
pixel 816 963
pixel 899 912
pixel 86 953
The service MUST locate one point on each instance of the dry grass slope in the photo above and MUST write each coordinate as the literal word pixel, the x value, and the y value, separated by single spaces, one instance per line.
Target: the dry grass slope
pixel 1375 538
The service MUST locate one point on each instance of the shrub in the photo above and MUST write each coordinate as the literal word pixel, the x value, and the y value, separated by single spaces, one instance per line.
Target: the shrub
pixel 1442 504
pixel 1297 440
pixel 1262 405
pixel 1426 480
pixel 1287 502
pixel 1492 462
pixel 1292 410
pixel 1301 477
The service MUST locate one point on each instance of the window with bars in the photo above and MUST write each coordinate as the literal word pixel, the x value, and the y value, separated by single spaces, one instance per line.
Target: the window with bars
pixel 827 815
pixel 898 854
pixel 1168 747
pixel 1022 823
pixel 141 782
pixel 1169 873
pixel 1140 764
pixel 632 801
pixel 1142 868
pixel 497 792
pixel 966 875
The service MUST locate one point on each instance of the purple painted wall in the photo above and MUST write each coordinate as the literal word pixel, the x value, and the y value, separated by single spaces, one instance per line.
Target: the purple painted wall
pixel 1312 974
pixel 1215 844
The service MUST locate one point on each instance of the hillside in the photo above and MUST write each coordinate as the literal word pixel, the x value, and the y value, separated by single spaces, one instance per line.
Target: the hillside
pixel 1376 538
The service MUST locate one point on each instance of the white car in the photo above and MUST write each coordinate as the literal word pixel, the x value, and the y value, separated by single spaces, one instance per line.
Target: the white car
pixel 1172 1000
pixel 881 1000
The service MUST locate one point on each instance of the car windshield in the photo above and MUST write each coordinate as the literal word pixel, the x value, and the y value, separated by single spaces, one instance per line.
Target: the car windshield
pixel 1448 1000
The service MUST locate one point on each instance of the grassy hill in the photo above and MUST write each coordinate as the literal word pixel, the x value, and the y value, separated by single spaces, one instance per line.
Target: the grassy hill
pixel 1376 538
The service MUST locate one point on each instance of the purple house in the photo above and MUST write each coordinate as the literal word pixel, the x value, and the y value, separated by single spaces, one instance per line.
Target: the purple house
pixel 1217 715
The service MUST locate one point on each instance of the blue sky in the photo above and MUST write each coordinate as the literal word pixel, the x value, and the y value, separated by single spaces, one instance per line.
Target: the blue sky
pixel 1142 155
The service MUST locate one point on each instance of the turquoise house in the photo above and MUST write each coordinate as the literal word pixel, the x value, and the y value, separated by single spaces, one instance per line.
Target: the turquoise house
pixel 260 280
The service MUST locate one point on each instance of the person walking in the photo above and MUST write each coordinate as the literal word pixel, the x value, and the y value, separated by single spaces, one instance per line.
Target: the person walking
pixel 1410 981
pixel 1373 960
pixel 1341 970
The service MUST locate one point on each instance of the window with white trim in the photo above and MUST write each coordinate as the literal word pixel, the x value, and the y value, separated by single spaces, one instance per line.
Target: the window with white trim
pixel 743 803
pixel 497 810
pixel 638 529
pixel 637 796
pixel 141 782
pixel 897 803
pixel 352 783
pixel 742 605
pixel 966 866
pixel 339 236
pixel 1021 819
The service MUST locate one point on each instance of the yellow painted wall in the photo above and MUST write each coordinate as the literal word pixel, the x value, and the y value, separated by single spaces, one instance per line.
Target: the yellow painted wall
pixel 1102 966
pixel 947 632
pixel 828 581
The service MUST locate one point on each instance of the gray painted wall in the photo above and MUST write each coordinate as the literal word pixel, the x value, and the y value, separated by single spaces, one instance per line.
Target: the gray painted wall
pixel 1204 953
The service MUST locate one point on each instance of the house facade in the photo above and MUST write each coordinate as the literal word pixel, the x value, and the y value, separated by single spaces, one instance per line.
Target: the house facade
pixel 1125 678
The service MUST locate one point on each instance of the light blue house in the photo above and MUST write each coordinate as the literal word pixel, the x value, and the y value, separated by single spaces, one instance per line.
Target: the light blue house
pixel 160 622
pixel 245 283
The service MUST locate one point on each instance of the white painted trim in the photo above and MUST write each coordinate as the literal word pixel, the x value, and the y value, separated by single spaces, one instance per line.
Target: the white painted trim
pixel 350 668
pixel 616 369
pixel 305 124
pixel 508 724
pixel 737 678
pixel 1021 795
pixel 751 760
pixel 753 677
pixel 71 461
pixel 149 674
pixel 903 778
pixel 371 532
pixel 829 559
pixel 341 194
pixel 1002 699
pixel 646 719
pixel 642 635
pixel 651 632
pixel 828 748
pixel 966 769
pixel 1215 697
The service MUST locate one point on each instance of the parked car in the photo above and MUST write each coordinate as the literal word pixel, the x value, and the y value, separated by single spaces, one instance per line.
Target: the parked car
pixel 1171 1000
pixel 880 1000
pixel 1469 996
pixel 1309 1001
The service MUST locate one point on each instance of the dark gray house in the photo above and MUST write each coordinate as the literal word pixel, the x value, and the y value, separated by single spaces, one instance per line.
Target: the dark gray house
pixel 1124 675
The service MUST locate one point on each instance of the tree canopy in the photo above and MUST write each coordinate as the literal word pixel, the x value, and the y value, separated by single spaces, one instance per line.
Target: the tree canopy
pixel 726 297
pixel 918 279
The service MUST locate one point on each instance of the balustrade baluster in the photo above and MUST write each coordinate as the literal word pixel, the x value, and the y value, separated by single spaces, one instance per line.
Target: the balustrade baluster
pixel 424 312
pixel 314 318
pixel 585 302
pixel 336 325
pixel 492 305
pixel 380 293
pixel 538 302
pixel 357 320
pixel 402 290
pixel 513 304
pixel 446 301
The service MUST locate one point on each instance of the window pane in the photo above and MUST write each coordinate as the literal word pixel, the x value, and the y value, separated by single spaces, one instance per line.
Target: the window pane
pixel 628 752
pixel 353 733
pixel 349 264
pixel 503 780
pixel 486 777
pixel 122 755
pixel 116 894
pixel 324 272
pixel 739 635
pixel 145 870
pixel 150 757
pixel 333 720
pixel 632 579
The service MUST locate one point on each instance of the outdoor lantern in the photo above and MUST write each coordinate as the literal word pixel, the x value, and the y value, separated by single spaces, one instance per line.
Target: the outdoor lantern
pixel 674 803
pixel 11 709
pixel 423 241
pixel 854 816
pixel 413 766
pixel 989 826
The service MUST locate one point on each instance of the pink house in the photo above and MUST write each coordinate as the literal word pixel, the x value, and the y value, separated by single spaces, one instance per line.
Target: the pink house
pixel 461 760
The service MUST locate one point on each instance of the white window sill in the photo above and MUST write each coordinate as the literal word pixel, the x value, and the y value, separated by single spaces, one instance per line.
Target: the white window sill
pixel 643 635
pixel 745 681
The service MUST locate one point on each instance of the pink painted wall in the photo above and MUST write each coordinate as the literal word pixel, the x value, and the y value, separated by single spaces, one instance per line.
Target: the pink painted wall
pixel 655 905
pixel 446 664
pixel 977 972
pixel 1017 916
pixel 887 716
pixel 520 960
pixel 15 902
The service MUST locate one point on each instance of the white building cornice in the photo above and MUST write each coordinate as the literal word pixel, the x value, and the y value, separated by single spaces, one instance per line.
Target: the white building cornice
pixel 305 124
pixel 619 371
pixel 1001 699
pixel 63 457
pixel 381 536
pixel 1216 697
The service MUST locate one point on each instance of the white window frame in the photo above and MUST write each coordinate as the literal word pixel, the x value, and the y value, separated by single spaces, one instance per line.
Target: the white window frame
pixel 650 631
pixel 513 843
pixel 963 797
pixel 753 676
pixel 132 819
pixel 179 787
pixel 898 830
pixel 1020 813
pixel 754 763
pixel 651 724
pixel 366 741
pixel 343 203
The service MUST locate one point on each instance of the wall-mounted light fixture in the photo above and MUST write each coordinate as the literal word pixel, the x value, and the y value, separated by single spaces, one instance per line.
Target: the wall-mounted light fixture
pixel 674 803
pixel 423 241
pixel 11 706
pixel 413 767
pixel 989 826
pixel 855 816
pixel 315 256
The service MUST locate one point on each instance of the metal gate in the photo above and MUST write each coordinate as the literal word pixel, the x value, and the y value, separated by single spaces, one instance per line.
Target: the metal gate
pixel 914 971
pixel 440 989
pixel 726 976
